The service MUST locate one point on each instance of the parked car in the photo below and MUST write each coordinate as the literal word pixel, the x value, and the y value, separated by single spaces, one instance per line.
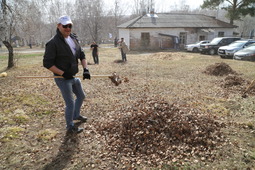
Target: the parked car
pixel 212 47
pixel 195 47
pixel 229 50
pixel 247 53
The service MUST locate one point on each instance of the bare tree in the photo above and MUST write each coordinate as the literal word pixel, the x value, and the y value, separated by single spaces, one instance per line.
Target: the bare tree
pixel 95 19
pixel 51 10
pixel 19 19
pixel 246 25
pixel 6 30
pixel 117 14
pixel 141 6
pixel 28 22
pixel 92 18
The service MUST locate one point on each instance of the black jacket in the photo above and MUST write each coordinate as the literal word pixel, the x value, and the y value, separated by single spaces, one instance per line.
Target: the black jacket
pixel 58 53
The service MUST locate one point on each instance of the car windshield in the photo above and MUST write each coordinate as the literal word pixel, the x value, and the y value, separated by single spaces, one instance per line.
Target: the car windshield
pixel 199 42
pixel 249 48
pixel 236 44
pixel 216 40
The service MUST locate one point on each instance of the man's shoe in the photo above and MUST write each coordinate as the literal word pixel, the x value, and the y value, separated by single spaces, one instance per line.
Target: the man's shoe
pixel 82 118
pixel 74 130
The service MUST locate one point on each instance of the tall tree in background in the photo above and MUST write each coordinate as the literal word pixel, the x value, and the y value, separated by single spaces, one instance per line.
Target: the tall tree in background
pixel 140 6
pixel 6 22
pixel 90 15
pixel 28 23
pixel 235 8
pixel 117 13
pixel 51 10
pixel 95 19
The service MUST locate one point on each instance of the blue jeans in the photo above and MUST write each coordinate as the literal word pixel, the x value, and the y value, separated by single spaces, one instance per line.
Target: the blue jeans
pixel 73 106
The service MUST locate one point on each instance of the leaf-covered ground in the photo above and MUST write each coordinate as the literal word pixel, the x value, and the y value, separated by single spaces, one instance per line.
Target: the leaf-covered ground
pixel 172 109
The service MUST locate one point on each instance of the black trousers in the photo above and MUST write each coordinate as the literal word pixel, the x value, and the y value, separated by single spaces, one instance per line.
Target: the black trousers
pixel 95 57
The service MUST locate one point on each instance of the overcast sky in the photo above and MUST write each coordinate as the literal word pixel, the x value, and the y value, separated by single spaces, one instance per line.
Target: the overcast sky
pixel 160 5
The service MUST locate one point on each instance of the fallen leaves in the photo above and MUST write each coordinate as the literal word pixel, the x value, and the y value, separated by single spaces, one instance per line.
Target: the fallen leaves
pixel 166 114
pixel 154 130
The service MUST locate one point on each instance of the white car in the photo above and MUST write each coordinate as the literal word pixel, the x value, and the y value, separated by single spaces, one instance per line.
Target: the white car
pixel 195 47
pixel 247 53
pixel 229 50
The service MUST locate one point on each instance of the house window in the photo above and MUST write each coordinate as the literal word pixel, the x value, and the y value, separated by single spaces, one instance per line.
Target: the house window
pixel 201 37
pixel 220 34
pixel 145 39
pixel 183 37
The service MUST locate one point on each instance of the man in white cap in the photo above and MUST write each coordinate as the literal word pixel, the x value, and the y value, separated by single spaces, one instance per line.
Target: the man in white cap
pixel 61 57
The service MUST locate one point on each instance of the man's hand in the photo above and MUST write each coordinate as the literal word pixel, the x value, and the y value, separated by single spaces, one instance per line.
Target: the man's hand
pixel 67 75
pixel 86 74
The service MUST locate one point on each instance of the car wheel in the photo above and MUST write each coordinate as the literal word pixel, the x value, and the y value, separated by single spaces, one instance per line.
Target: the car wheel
pixel 211 51
pixel 195 50
pixel 221 56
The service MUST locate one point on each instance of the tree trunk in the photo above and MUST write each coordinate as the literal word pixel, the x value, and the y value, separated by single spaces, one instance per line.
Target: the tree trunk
pixel 10 50
pixel 231 21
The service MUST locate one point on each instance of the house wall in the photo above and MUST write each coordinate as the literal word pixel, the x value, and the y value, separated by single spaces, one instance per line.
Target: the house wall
pixel 228 32
pixel 133 37
pixel 124 33
pixel 137 44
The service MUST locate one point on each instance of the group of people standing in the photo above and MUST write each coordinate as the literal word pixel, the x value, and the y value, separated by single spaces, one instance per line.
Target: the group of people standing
pixel 122 46
pixel 61 57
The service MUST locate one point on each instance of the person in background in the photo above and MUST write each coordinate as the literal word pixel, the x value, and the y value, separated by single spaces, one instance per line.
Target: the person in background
pixel 124 49
pixel 116 42
pixel 62 54
pixel 94 48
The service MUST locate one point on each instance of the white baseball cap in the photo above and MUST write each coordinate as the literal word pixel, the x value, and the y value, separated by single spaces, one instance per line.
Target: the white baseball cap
pixel 64 20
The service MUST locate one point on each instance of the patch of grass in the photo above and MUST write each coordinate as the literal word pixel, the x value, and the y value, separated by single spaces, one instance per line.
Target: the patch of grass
pixel 21 118
pixel 32 104
pixel 14 117
pixel 251 125
pixel 11 133
pixel 2 56
pixel 46 135
pixel 218 109
pixel 6 120
pixel 26 99
pixel 252 155
pixel 27 55
pixel 43 112
pixel 32 100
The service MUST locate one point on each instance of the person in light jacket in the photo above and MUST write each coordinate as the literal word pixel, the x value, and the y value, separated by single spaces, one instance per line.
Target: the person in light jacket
pixel 124 49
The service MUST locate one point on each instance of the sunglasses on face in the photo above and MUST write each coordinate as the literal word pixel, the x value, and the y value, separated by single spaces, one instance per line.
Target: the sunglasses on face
pixel 67 26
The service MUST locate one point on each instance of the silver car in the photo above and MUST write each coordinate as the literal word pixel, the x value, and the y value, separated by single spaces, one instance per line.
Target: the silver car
pixel 247 53
pixel 195 47
pixel 229 50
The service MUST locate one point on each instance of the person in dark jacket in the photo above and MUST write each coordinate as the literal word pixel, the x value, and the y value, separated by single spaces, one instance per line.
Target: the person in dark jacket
pixel 62 54
pixel 94 48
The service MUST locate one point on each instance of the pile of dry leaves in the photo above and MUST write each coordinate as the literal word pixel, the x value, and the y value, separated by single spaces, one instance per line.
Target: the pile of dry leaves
pixel 233 80
pixel 219 69
pixel 153 130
